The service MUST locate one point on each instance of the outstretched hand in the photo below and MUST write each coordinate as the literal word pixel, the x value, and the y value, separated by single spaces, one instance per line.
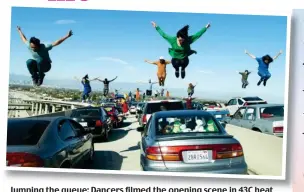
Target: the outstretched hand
pixel 18 28
pixel 246 51
pixel 281 51
pixel 70 33
pixel 208 25
pixel 154 24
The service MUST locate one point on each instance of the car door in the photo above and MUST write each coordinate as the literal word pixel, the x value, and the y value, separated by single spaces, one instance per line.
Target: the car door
pixel 238 117
pixel 73 144
pixel 144 141
pixel 232 106
pixel 84 137
pixel 249 118
pixel 106 119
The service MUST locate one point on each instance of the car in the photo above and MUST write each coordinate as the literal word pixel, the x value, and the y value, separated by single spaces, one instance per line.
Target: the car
pixel 219 111
pixel 189 141
pixel 158 105
pixel 235 103
pixel 139 106
pixel 133 108
pixel 50 142
pixel 139 112
pixel 267 118
pixel 94 119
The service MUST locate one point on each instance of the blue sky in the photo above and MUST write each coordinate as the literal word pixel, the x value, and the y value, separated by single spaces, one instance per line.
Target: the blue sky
pixel 116 43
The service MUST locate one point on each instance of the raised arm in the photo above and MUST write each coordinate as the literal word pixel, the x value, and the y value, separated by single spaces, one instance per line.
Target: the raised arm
pixel 150 62
pixel 100 80
pixel 275 57
pixel 169 38
pixel 197 35
pixel 58 42
pixel 94 79
pixel 77 79
pixel 250 55
pixel 113 79
pixel 168 62
pixel 22 36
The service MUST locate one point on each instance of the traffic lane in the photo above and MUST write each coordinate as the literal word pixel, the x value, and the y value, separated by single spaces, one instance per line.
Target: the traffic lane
pixel 121 152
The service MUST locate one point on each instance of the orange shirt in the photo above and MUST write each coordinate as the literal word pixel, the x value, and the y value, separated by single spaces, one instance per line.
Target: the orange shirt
pixel 161 67
pixel 168 94
pixel 137 96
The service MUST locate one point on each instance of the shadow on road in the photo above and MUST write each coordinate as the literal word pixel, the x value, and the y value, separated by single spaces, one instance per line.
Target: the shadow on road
pixel 133 148
pixel 124 125
pixel 106 160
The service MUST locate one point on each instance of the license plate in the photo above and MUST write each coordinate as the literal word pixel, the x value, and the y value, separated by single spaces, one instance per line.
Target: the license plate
pixel 202 156
pixel 84 124
pixel 218 116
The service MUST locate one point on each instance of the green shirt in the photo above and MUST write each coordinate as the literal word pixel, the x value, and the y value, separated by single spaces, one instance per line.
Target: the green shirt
pixel 180 52
pixel 244 75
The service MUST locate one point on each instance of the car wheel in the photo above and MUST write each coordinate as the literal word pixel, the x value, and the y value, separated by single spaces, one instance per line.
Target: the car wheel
pixel 105 136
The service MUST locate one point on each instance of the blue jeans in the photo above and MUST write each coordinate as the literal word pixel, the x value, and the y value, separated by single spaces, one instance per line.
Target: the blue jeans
pixel 85 95
pixel 265 75
pixel 38 67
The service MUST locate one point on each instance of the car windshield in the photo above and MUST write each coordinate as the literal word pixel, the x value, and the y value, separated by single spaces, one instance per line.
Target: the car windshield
pixel 212 104
pixel 252 99
pixel 25 132
pixel 274 111
pixel 86 113
pixel 164 106
pixel 171 125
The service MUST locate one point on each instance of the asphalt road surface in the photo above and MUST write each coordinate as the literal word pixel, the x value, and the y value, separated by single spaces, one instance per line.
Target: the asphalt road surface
pixel 121 152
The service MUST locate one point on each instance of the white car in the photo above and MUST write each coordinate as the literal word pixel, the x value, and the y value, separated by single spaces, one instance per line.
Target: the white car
pixel 235 103
pixel 133 109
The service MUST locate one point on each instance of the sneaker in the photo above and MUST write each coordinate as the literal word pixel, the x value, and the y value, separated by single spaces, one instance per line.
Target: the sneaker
pixel 177 73
pixel 183 74
pixel 35 81
pixel 40 81
pixel 259 83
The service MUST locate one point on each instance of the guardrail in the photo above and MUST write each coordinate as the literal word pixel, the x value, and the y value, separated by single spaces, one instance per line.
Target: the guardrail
pixel 263 153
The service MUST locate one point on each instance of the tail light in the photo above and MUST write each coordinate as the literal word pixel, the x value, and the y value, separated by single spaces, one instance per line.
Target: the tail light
pixel 23 160
pixel 265 115
pixel 174 153
pixel 278 129
pixel 98 123
pixel 144 118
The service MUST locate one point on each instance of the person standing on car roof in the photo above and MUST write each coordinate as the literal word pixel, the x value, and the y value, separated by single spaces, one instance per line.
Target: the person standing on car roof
pixel 189 102
pixel 106 84
pixel 85 81
pixel 137 94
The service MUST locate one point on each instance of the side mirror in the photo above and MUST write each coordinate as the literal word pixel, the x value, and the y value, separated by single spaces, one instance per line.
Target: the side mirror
pixel 223 124
pixel 140 129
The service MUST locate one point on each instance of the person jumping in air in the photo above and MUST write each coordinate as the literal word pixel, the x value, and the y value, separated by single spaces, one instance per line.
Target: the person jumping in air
pixel 245 75
pixel 106 84
pixel 40 63
pixel 263 69
pixel 161 71
pixel 191 89
pixel 181 47
pixel 85 81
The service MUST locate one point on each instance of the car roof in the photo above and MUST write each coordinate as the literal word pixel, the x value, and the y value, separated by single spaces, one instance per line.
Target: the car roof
pixel 265 105
pixel 184 112
pixel 87 108
pixel 37 118
pixel 161 101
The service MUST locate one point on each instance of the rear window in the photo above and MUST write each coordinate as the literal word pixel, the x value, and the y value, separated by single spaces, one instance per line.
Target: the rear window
pixel 25 132
pixel 186 125
pixel 275 111
pixel 86 113
pixel 164 106
pixel 252 99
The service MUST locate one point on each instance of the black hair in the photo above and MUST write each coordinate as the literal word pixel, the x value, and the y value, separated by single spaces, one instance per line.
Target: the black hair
pixel 183 32
pixel 267 57
pixel 162 61
pixel 35 41
pixel 86 76
pixel 246 71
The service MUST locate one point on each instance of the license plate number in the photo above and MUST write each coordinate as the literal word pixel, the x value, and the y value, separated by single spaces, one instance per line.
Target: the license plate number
pixel 197 156
pixel 218 116
pixel 84 124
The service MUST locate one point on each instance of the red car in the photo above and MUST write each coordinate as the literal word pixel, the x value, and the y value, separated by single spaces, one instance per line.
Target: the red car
pixel 116 118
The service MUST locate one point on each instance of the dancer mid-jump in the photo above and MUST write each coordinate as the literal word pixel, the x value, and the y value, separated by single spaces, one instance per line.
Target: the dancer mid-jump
pixel 181 47
pixel 263 70
pixel 85 81
pixel 106 84
pixel 245 75
pixel 190 89
pixel 161 71
pixel 41 61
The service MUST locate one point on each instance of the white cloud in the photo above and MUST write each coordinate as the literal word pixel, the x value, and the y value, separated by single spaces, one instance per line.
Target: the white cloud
pixel 64 22
pixel 111 59
pixel 206 72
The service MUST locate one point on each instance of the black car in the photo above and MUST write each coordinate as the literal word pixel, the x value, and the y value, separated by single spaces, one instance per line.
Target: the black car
pixel 51 142
pixel 95 120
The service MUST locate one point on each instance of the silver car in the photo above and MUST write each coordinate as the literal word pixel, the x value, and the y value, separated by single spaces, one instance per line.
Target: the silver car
pixel 265 118
pixel 189 141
